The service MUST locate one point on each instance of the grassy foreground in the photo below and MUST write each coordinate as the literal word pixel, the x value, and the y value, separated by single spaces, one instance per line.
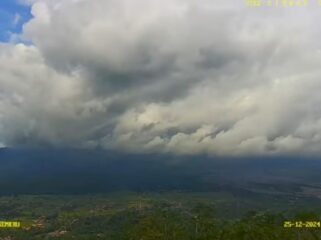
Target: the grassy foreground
pixel 166 216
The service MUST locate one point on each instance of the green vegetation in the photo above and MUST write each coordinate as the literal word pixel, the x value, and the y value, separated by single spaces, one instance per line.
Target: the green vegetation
pixel 166 216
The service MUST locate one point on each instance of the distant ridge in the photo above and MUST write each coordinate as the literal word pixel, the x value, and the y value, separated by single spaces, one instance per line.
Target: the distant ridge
pixel 71 171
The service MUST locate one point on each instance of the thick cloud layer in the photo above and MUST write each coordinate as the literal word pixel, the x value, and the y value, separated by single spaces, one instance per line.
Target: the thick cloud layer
pixel 178 76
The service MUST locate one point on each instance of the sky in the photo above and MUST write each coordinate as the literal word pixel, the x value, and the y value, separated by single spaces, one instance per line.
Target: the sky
pixel 185 77
pixel 12 17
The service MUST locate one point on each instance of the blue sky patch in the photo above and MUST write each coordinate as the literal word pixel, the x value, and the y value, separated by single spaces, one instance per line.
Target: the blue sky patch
pixel 12 17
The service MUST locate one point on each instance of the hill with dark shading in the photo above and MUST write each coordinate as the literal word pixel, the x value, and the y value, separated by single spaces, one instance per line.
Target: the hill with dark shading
pixel 26 171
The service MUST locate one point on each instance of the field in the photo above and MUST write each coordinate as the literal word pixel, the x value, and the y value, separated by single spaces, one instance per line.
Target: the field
pixel 166 215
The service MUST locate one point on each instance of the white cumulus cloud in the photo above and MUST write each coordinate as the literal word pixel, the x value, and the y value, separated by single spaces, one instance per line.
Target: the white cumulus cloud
pixel 170 76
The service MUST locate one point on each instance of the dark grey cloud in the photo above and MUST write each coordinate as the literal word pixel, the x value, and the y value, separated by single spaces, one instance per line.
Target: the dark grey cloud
pixel 173 76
